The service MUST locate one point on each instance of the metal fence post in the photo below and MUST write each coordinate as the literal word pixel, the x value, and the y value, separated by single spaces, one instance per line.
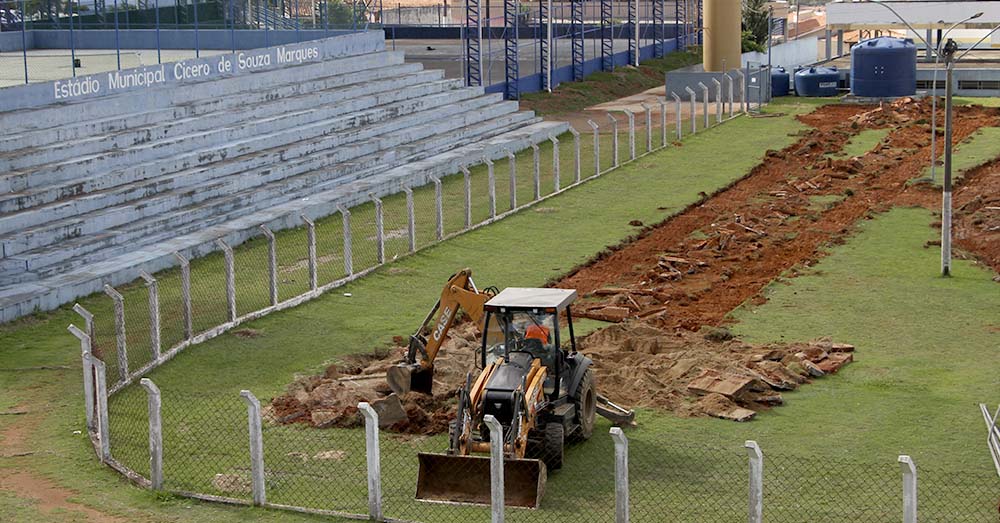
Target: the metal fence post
pixel 614 140
pixel 909 469
pixel 311 247
pixel 631 133
pixel 597 148
pixel 496 468
pixel 272 264
pixel 120 339
pixel 256 447
pixel 649 125
pixel 537 174
pixel 227 252
pixel 348 261
pixel 88 319
pixel 755 511
pixel 663 121
pixel 493 187
pixel 678 105
pixel 621 475
pixel 718 100
pixel 467 176
pixel 438 209
pixel 576 155
pixel 512 161
pixel 555 163
pixel 155 434
pixel 411 219
pixel 88 373
pixel 704 103
pixel 379 231
pixel 154 313
pixel 730 86
pixel 743 89
pixel 186 295
pixel 101 386
pixel 374 460
pixel 694 109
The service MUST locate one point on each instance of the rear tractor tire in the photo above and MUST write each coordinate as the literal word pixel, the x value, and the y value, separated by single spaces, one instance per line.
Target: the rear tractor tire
pixel 585 399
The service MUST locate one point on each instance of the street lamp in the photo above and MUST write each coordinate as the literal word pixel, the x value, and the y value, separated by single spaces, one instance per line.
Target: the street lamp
pixel 937 57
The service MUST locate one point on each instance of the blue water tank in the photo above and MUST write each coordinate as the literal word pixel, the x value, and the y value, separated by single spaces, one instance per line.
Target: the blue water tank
pixel 817 81
pixel 780 81
pixel 883 67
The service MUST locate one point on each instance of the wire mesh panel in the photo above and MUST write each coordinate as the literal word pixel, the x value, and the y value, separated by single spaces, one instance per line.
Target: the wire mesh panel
pixel 171 308
pixel 686 483
pixel 969 493
pixel 128 423
pixel 103 345
pixel 330 249
pixel 253 276
pixel 364 241
pixel 208 293
pixel 206 445
pixel 425 212
pixel 395 226
pixel 137 325
pixel 293 263
pixel 315 468
pixel 808 488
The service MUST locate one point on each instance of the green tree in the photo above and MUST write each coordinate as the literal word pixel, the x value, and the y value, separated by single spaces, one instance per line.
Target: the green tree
pixel 755 22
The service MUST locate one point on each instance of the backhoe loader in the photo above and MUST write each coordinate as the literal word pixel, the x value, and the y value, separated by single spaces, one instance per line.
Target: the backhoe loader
pixel 542 393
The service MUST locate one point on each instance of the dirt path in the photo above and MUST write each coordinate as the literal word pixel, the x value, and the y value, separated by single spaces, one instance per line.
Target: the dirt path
pixel 17 450
pixel 696 267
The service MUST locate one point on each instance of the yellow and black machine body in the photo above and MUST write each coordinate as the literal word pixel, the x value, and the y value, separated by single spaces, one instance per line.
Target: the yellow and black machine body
pixel 540 389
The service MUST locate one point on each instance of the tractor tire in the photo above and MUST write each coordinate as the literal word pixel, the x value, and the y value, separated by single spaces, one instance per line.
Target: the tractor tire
pixel 585 399
pixel 552 447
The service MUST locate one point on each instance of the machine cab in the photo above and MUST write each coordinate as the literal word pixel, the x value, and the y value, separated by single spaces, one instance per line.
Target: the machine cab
pixel 521 325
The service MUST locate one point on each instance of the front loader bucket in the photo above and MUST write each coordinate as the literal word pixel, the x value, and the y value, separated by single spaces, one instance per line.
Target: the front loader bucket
pixel 405 377
pixel 466 479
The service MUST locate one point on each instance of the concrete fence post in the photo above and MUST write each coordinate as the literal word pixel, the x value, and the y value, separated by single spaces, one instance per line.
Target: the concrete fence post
pixel 120 338
pixel 492 190
pixel 555 164
pixel 663 121
pixel 438 209
pixel 101 405
pixel 411 220
pixel 718 100
pixel 743 90
pixel 704 104
pixel 227 252
pixel 536 159
pixel 648 110
pixel 374 461
pixel 272 264
pixel 88 373
pixel 155 433
pixel 186 295
pixel 755 510
pixel 576 154
pixel 730 87
pixel 909 469
pixel 88 319
pixel 468 196
pixel 311 252
pixel 379 230
pixel 614 141
pixel 256 447
pixel 694 109
pixel 512 162
pixel 496 468
pixel 348 259
pixel 677 106
pixel 154 313
pixel 597 147
pixel 621 475
pixel 631 133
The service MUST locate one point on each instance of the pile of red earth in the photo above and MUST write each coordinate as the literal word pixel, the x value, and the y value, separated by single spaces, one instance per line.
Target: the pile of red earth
pixel 704 374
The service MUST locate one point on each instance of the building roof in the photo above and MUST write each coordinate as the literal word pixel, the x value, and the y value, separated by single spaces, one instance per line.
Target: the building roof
pixel 532 298
pixel 921 15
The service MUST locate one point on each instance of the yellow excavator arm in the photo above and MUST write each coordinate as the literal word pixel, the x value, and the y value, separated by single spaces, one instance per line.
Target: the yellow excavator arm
pixel 459 293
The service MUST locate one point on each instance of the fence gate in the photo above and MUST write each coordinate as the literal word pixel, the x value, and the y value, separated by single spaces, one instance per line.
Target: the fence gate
pixel 758 78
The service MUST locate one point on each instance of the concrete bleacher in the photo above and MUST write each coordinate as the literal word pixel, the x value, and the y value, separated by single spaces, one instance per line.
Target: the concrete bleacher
pixel 95 191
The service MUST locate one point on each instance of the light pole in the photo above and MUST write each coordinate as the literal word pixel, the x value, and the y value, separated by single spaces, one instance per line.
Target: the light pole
pixel 937 57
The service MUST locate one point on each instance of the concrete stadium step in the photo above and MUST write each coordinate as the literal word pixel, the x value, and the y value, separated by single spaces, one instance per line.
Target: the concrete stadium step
pixel 87 165
pixel 87 249
pixel 123 186
pixel 335 73
pixel 482 109
pixel 20 299
pixel 362 44
pixel 176 128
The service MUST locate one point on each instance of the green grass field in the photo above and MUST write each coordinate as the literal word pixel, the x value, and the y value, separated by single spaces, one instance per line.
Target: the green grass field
pixel 862 142
pixel 983 146
pixel 830 451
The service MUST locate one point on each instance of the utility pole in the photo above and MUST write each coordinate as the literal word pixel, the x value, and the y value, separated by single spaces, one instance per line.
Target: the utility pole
pixel 949 60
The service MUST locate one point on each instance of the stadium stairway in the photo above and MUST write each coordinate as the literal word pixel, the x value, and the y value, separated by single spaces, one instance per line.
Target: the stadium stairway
pixel 95 191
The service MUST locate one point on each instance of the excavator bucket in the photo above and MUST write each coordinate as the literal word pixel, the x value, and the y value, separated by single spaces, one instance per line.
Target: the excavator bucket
pixel 466 479
pixel 405 377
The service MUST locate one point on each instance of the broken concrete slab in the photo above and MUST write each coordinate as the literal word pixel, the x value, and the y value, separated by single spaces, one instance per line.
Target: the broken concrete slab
pixel 713 382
